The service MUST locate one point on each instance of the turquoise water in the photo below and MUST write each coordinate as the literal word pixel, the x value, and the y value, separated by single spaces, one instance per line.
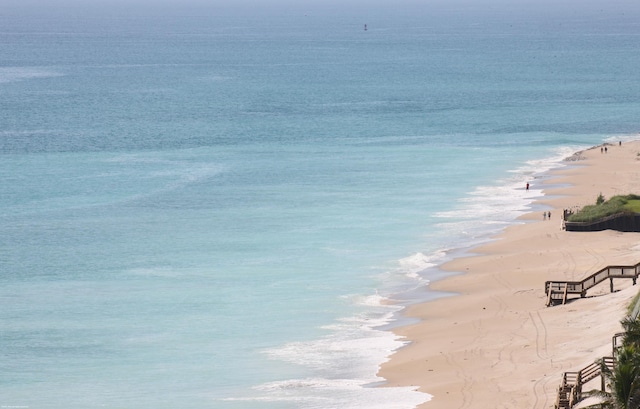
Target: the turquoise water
pixel 209 207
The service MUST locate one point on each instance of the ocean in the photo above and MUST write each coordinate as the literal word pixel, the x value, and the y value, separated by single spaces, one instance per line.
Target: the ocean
pixel 228 206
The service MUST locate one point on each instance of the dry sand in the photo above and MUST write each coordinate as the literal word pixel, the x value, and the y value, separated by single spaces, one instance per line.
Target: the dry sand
pixel 496 344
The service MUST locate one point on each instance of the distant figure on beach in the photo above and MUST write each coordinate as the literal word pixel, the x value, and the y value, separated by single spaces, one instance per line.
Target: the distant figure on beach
pixel 527 186
pixel 544 215
pixel 601 149
pixel 549 215
pixel 605 149
pixel 619 143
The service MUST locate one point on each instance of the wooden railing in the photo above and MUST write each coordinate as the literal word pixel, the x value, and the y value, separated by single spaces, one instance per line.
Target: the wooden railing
pixel 617 342
pixel 557 291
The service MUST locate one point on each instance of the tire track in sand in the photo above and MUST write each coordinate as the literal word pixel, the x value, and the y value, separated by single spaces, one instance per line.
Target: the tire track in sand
pixel 599 262
pixel 541 335
pixel 467 382
pixel 502 311
pixel 570 261
pixel 540 395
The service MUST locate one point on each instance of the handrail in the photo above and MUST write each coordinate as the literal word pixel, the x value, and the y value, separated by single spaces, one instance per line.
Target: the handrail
pixel 573 396
pixel 617 342
pixel 590 372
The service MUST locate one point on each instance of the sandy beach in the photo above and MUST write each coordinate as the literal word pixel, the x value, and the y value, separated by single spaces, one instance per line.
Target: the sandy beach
pixel 495 344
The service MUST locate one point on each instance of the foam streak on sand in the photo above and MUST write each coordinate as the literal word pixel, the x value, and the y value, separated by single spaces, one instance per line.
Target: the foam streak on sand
pixel 496 344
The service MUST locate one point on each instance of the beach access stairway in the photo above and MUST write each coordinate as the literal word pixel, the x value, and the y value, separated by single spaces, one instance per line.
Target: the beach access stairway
pixel 570 390
pixel 558 291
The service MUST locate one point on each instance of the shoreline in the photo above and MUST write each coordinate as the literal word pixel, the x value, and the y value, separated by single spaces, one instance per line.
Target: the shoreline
pixel 495 343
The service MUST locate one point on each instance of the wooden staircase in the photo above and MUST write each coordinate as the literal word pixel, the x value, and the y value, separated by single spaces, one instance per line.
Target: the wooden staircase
pixel 557 291
pixel 567 392
pixel 570 390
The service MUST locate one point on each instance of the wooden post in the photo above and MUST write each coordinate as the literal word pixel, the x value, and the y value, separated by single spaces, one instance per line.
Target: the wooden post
pixel 579 386
pixel 611 283
pixel 572 394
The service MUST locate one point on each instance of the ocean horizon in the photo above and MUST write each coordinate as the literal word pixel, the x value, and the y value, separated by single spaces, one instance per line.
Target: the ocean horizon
pixel 230 206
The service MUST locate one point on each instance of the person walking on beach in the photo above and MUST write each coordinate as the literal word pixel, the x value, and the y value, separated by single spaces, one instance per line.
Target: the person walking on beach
pixel 549 215
pixel 544 215
pixel 527 186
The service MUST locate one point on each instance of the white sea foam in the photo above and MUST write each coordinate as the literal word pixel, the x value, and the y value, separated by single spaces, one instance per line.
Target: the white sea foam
pixel 344 363
pixel 614 139
pixel 411 269
pixel 489 208
pixel 353 348
pixel 374 300
pixel 406 281
pixel 417 263
pixel 311 393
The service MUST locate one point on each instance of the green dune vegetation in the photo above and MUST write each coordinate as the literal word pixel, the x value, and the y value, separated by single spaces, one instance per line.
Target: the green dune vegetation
pixel 616 205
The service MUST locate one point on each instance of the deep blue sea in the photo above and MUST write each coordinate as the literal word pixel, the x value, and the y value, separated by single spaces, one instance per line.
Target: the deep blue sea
pixel 210 206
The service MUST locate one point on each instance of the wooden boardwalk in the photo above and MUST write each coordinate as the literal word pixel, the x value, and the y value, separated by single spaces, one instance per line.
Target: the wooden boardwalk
pixel 558 291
